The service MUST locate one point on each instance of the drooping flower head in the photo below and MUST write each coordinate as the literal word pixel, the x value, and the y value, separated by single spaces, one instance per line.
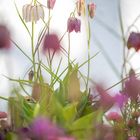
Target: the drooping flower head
pixel 91 9
pixel 51 43
pixel 80 6
pixel 5 42
pixel 32 13
pixel 50 3
pixel 73 24
pixel 134 41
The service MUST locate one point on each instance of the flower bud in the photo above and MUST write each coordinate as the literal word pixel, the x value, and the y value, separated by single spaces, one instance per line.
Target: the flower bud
pixel 50 4
pixel 91 9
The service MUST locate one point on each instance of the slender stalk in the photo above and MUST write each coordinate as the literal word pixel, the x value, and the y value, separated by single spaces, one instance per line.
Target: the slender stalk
pixel 68 48
pixel 32 46
pixel 88 74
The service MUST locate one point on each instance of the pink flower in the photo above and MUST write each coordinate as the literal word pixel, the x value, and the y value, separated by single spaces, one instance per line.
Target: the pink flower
pixel 132 87
pixel 120 99
pixel 3 115
pixel 43 129
pixel 51 43
pixel 65 138
pixel 114 116
pixel 106 101
pixel 51 3
pixel 134 41
pixel 91 9
pixel 132 138
pixel 73 24
pixel 5 42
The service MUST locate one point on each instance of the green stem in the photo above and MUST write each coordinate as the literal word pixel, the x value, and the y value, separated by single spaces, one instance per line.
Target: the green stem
pixel 32 45
pixel 88 74
pixel 68 48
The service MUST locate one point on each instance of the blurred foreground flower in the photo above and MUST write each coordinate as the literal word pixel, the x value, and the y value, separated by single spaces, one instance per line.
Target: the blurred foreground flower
pixel 106 101
pixel 120 99
pixel 134 41
pixel 32 13
pixel 51 3
pixel 51 43
pixel 73 24
pixel 43 129
pixel 132 138
pixel 91 9
pixel 3 115
pixel 4 38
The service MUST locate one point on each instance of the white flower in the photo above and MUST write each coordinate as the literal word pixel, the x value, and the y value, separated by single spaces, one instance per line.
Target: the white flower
pixel 32 12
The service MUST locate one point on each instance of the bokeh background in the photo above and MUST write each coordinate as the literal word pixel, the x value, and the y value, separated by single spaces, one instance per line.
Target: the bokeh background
pixel 106 39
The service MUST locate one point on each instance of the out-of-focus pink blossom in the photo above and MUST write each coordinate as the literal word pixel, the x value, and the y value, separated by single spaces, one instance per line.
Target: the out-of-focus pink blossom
pixel 114 116
pixel 65 138
pixel 5 42
pixel 3 115
pixel 43 129
pixel 51 3
pixel 132 87
pixel 120 99
pixel 73 24
pixel 51 43
pixel 132 138
pixel 91 9
pixel 134 41
pixel 106 101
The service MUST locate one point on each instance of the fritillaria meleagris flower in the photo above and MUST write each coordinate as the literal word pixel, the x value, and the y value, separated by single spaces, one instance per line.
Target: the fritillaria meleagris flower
pixel 5 42
pixel 32 13
pixel 134 41
pixel 80 6
pixel 51 3
pixel 73 24
pixel 51 43
pixel 91 9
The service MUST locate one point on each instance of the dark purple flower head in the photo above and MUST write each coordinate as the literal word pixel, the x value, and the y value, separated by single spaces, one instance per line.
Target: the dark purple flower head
pixel 134 41
pixel 73 24
pixel 4 37
pixel 51 43
pixel 43 129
